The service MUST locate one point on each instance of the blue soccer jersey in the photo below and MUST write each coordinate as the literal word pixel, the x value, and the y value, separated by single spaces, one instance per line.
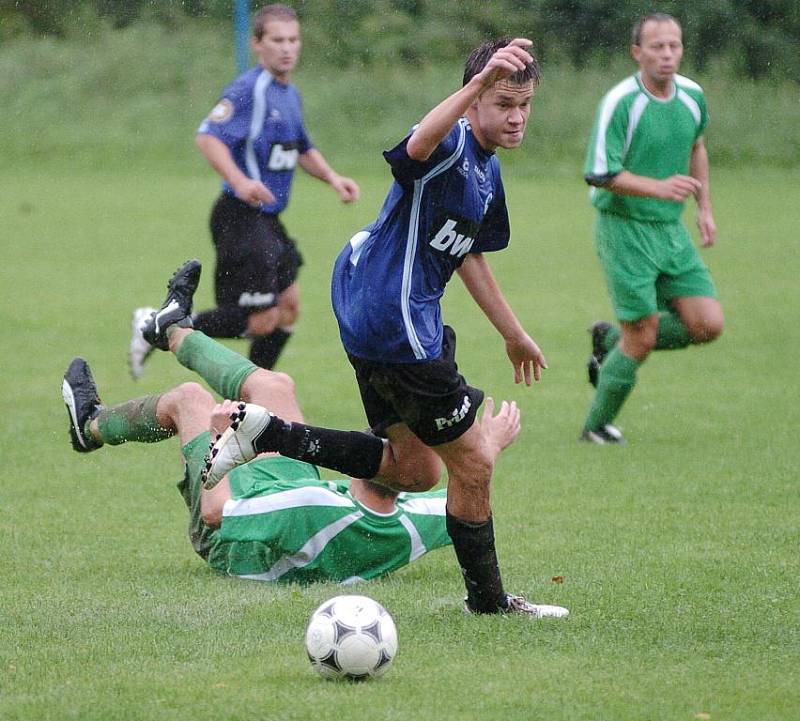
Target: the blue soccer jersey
pixel 388 280
pixel 261 122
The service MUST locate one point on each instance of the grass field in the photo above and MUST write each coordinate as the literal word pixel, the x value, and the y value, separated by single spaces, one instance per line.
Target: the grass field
pixel 678 552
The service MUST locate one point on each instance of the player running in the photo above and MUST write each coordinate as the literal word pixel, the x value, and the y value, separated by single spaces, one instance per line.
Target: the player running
pixel 646 157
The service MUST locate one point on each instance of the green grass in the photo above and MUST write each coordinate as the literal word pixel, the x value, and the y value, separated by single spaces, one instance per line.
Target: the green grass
pixel 678 552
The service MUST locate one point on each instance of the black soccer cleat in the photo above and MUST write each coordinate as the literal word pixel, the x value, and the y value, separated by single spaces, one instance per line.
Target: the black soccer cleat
pixel 177 308
pixel 603 436
pixel 598 331
pixel 83 404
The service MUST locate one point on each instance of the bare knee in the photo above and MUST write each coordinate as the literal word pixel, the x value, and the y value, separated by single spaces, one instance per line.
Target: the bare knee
pixel 705 330
pixel 189 393
pixel 265 384
pixel 413 475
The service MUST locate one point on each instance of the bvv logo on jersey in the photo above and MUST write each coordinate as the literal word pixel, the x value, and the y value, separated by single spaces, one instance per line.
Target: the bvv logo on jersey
pixel 282 156
pixel 454 236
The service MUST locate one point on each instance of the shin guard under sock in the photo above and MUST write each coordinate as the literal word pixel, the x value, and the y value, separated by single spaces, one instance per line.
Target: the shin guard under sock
pixel 132 421
pixel 475 551
pixel 222 368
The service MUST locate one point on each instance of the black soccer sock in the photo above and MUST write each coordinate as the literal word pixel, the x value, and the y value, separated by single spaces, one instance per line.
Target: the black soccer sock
pixel 355 453
pixel 224 322
pixel 475 551
pixel 265 349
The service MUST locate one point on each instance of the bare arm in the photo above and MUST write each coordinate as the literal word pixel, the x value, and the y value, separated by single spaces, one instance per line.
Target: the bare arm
pixel 435 126
pixel 219 157
pixel 524 354
pixel 699 169
pixel 314 163
pixel 676 188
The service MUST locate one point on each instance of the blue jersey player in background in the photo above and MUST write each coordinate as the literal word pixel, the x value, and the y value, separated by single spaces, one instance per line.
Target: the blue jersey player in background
pixel 445 210
pixel 254 138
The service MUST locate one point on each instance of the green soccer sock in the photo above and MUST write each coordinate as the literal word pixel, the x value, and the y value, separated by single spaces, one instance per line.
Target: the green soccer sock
pixel 222 368
pixel 672 333
pixel 132 421
pixel 616 380
pixel 611 338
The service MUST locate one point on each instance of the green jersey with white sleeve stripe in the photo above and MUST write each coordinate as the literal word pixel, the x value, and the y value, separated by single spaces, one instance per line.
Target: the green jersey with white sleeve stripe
pixel 284 524
pixel 645 135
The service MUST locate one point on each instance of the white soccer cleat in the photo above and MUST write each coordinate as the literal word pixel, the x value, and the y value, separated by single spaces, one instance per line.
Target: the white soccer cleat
pixel 240 443
pixel 518 605
pixel 139 350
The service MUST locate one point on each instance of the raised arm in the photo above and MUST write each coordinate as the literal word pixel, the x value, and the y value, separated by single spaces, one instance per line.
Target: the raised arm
pixel 435 126
pixel 524 354
pixel 314 163
pixel 219 157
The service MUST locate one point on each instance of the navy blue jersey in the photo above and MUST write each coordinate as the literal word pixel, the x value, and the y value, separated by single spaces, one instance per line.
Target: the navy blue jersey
pixel 388 280
pixel 261 122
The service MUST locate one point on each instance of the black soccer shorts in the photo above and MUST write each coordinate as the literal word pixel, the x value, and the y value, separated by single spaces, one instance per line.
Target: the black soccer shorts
pixel 256 259
pixel 431 398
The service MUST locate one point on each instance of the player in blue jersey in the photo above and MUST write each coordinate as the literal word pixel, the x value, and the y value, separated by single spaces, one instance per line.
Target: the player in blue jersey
pixel 254 138
pixel 445 210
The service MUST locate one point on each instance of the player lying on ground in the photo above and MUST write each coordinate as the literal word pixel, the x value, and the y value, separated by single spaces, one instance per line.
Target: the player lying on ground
pixel 273 518
pixel 357 454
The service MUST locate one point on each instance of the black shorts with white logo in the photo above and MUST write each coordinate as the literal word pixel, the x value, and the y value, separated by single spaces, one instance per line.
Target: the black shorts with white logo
pixel 256 259
pixel 431 398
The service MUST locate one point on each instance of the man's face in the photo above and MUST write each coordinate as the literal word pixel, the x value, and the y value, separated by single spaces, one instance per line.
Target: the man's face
pixel 279 47
pixel 659 51
pixel 501 113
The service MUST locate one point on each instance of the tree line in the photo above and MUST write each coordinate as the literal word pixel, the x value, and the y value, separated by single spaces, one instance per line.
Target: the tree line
pixel 754 38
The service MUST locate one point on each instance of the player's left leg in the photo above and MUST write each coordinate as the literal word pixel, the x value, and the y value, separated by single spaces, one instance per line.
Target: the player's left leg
pixel 147 419
pixel 701 316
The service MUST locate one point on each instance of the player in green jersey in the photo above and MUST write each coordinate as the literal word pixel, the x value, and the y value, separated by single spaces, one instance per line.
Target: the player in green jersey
pixel 645 158
pixel 272 519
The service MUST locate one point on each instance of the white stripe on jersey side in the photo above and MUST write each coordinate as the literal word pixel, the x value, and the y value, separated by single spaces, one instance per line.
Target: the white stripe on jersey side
pixel 413 238
pixel 417 546
pixel 256 122
pixel 312 548
pixel 607 107
pixel 690 103
pixel 293 498
pixel 424 506
pixel 634 115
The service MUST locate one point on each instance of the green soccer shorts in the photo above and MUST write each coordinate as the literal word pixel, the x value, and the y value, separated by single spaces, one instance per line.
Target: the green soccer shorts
pixel 647 264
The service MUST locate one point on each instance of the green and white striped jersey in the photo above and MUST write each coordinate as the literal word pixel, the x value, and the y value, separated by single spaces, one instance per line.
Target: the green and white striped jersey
pixel 645 135
pixel 284 524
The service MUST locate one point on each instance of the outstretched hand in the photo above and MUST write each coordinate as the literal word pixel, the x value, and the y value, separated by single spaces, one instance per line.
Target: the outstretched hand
pixel 500 430
pixel 506 61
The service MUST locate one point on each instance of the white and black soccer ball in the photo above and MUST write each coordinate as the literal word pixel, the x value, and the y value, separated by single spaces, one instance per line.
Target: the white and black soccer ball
pixel 351 637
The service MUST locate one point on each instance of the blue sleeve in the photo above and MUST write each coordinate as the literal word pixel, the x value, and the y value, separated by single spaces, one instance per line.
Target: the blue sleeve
pixel 495 230
pixel 407 170
pixel 229 119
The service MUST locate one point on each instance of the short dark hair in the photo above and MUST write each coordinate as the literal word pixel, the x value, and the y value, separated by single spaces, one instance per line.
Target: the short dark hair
pixel 271 12
pixel 636 33
pixel 481 55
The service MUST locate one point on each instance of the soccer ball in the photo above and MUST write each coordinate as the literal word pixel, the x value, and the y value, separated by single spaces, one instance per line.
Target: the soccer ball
pixel 351 637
